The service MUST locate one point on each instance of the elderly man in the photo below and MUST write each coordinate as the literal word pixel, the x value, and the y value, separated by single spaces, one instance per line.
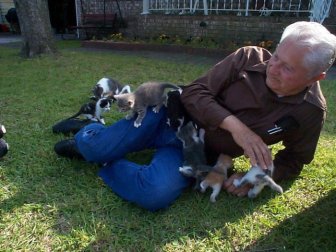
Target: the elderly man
pixel 243 99
pixel 246 102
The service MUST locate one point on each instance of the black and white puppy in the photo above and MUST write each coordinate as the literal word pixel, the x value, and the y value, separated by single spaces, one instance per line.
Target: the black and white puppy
pixel 108 87
pixel 94 110
pixel 259 179
pixel 177 115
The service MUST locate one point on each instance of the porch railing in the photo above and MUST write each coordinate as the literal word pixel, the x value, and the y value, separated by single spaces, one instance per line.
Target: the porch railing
pixel 238 7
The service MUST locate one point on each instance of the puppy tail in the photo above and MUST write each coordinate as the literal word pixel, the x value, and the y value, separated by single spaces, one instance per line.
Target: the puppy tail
pixel 270 182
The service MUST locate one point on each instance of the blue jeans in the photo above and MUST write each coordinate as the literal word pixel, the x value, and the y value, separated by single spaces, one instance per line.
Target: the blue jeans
pixel 153 186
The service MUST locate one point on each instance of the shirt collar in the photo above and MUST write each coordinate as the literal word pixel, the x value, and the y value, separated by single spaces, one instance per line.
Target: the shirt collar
pixel 312 94
pixel 260 67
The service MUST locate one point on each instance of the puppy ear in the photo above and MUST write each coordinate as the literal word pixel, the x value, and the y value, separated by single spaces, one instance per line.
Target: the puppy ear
pixel 117 96
pixel 125 89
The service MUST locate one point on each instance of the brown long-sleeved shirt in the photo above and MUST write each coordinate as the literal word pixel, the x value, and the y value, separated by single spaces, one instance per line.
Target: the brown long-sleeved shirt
pixel 237 86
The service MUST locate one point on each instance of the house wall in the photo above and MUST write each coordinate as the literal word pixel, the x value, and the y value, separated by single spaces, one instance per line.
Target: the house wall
pixel 219 27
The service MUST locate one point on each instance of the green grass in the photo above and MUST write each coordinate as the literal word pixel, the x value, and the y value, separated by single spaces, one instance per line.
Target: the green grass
pixel 48 203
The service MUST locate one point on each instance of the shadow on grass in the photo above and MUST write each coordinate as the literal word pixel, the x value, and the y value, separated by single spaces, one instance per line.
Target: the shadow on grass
pixel 68 198
pixel 314 229
pixel 84 214
pixel 69 194
pixel 192 217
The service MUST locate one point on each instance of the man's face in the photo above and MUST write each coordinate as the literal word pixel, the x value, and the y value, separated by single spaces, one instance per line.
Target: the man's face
pixel 286 74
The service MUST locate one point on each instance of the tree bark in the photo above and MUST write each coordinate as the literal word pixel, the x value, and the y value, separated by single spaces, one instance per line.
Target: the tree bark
pixel 37 36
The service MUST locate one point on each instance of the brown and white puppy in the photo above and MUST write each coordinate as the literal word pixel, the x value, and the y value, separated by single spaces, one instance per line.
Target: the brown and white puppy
pixel 217 176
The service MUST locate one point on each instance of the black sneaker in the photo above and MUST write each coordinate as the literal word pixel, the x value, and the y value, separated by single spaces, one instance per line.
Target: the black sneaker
pixel 69 126
pixel 67 148
pixel 2 130
pixel 3 148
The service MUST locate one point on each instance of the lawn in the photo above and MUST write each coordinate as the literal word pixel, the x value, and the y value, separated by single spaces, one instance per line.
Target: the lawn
pixel 49 203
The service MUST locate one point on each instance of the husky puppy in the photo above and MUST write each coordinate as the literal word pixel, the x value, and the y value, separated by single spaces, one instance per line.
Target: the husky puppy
pixel 147 94
pixel 259 179
pixel 194 164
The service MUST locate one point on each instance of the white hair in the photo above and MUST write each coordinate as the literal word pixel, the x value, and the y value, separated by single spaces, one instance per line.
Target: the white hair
pixel 321 44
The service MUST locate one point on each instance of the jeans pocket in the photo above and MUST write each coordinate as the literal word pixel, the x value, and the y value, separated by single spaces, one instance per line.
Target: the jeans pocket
pixel 89 133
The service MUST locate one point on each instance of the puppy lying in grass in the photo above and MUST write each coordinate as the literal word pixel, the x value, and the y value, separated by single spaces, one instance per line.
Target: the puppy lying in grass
pixel 259 178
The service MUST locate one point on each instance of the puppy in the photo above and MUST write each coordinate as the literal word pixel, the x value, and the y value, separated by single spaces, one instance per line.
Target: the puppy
pixel 217 176
pixel 177 116
pixel 194 164
pixel 259 178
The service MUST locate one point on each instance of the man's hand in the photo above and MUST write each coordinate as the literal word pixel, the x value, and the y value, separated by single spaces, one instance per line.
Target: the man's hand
pixel 230 188
pixel 252 144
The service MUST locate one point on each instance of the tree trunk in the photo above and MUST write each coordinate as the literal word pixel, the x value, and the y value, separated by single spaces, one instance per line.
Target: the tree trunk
pixel 35 27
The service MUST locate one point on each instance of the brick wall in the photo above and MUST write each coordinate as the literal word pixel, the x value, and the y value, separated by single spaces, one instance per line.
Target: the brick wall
pixel 219 27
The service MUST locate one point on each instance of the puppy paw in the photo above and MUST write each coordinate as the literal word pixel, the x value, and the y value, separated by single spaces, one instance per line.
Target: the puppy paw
pixel 251 194
pixel 213 199
pixel 137 125
pixel 203 186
